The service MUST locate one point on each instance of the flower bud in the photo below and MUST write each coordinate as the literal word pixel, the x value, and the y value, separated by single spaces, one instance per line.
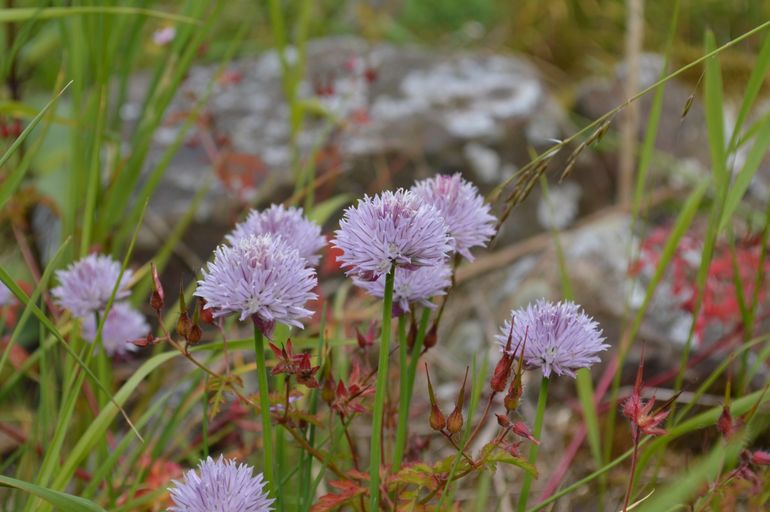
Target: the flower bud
pixel 455 421
pixel 206 314
pixel 437 419
pixel 144 342
pixel 156 302
pixel 157 299
pixel 431 337
pixel 520 429
pixel 760 458
pixel 513 397
pixel 183 325
pixel 195 334
pixel 502 373
pixel 412 334
pixel 327 389
pixel 725 423
pixel 503 420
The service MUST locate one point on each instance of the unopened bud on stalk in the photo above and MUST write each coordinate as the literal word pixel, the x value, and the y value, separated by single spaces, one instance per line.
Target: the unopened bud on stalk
pixel 206 314
pixel 501 373
pixel 455 421
pixel 183 325
pixel 194 335
pixel 513 397
pixel 431 337
pixel 327 381
pixel 157 299
pixel 437 419
pixel 503 420
pixel 412 335
pixel 760 458
pixel 520 429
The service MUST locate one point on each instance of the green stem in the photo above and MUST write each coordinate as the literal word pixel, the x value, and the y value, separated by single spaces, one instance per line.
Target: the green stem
pixel 541 400
pixel 407 383
pixel 403 398
pixel 417 350
pixel 379 397
pixel 273 486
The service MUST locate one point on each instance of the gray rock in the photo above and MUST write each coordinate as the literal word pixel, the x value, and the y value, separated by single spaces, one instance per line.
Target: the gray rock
pixel 426 111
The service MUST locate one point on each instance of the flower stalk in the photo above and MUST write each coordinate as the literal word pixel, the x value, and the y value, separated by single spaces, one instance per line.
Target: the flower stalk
pixel 403 391
pixel 541 401
pixel 379 397
pixel 264 406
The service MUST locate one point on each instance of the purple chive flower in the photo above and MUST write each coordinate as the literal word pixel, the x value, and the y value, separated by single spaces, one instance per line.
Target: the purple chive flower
pixel 289 223
pixel 391 228
pixel 560 338
pixel 464 211
pixel 123 325
pixel 259 277
pixel 411 286
pixel 6 297
pixel 86 286
pixel 220 485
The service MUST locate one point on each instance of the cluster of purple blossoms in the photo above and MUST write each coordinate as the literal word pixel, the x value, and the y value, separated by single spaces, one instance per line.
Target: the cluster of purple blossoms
pixel 288 223
pixel 221 485
pixel 122 325
pixel 557 337
pixel 86 286
pixel 410 286
pixel 416 231
pixel 259 277
pixel 391 229
pixel 466 214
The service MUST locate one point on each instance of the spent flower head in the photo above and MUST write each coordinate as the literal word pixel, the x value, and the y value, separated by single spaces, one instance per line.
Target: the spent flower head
pixel 259 277
pixel 558 337
pixel 464 210
pixel 85 286
pixel 391 228
pixel 289 223
pixel 410 286
pixel 123 325
pixel 221 485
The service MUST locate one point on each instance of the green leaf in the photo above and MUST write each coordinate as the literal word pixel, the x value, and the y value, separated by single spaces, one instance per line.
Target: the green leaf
pixel 14 178
pixel 62 501
pixel 97 428
pixel 325 209
pixel 493 454
pixel 48 13
pixel 714 118
pixel 753 86
pixel 743 179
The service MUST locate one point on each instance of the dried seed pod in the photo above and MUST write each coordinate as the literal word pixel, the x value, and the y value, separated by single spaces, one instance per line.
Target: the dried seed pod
pixel 431 337
pixel 194 335
pixel 157 299
pixel 455 421
pixel 437 419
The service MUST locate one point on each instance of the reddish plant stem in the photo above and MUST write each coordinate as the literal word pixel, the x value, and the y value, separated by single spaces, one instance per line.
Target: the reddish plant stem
pixel 634 458
pixel 483 419
pixel 351 444
pixel 457 447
